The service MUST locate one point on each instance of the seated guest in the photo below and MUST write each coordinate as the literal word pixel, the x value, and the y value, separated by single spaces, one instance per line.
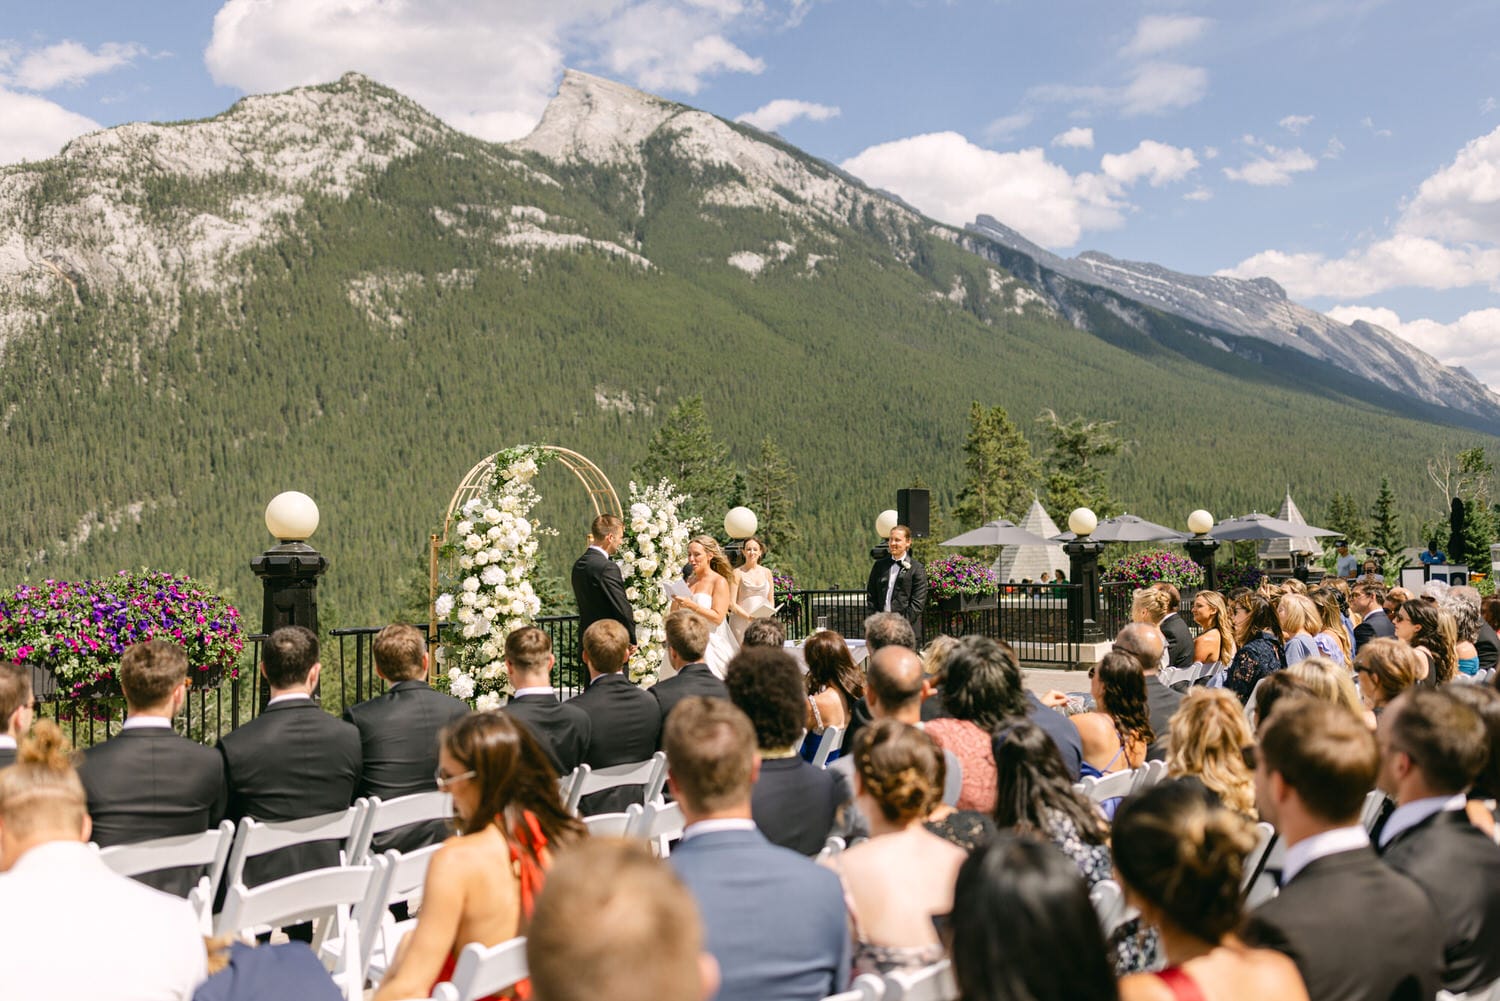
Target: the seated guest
pixel 633 905
pixel 687 638
pixel 73 930
pixel 1116 735
pixel 834 685
pixel 773 920
pixel 562 728
pixel 293 760
pixel 982 690
pixel 482 885
pixel 1331 681
pixel 1174 628
pixel 398 732
pixel 1486 643
pixel 1144 642
pixel 1300 623
pixel 795 804
pixel 1366 601
pixel 1179 854
pixel 1278 686
pixel 624 720
pixel 1036 799
pixel 1151 606
pixel 1257 636
pixel 1209 733
pixel 1332 639
pixel 1023 929
pixel 895 881
pixel 883 629
pixel 1383 669
pixel 1428 630
pixel 148 782
pixel 1466 626
pixel 1484 700
pixel 15 708
pixel 1432 747
pixel 935 667
pixel 764 632
pixel 1355 928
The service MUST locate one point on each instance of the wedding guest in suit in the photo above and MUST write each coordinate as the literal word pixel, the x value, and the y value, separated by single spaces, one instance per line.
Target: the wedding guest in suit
pixel 624 720
pixel 398 732
pixel 687 638
pixel 598 587
pixel 1488 643
pixel 71 927
pixel 15 708
pixel 633 905
pixel 764 632
pixel 1145 642
pixel 482 885
pixel 1356 929
pixel 774 920
pixel 898 582
pixel 1178 634
pixel 1432 747
pixel 293 760
pixel 884 629
pixel 1484 700
pixel 1179 854
pixel 148 782
pixel 795 804
pixel 562 728
pixel 1366 601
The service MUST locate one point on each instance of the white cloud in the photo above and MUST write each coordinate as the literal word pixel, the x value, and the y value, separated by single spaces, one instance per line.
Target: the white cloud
pixel 488 68
pixel 1005 126
pixel 1273 167
pixel 1152 89
pixel 1158 33
pixel 34 128
pixel 1157 162
pixel 1076 138
pixel 1198 195
pixel 1296 123
pixel 68 64
pixel 1369 123
pixel 1334 148
pixel 781 112
pixel 1462 200
pixel 1473 340
pixel 1487 105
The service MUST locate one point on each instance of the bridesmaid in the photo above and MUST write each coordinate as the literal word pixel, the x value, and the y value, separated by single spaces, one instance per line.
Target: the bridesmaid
pixel 752 588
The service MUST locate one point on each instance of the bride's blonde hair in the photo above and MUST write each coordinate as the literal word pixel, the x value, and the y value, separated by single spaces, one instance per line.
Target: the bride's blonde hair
pixel 717 561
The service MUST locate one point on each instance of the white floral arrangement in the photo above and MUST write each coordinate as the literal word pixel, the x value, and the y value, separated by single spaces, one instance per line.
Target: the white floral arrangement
pixel 654 551
pixel 496 545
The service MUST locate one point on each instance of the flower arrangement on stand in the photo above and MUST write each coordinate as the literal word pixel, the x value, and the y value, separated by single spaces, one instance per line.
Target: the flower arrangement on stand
pixel 654 551
pixel 960 576
pixel 1145 568
pixel 73 632
pixel 496 546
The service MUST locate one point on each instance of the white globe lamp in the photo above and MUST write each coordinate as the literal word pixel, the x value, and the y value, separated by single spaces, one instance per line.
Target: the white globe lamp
pixel 1200 522
pixel 740 523
pixel 885 522
pixel 292 516
pixel 1082 522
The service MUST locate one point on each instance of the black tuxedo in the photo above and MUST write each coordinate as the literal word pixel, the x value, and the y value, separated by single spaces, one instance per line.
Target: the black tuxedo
pixel 1161 704
pixel 910 596
pixel 398 738
pixel 1179 640
pixel 626 725
pixel 600 592
pixel 147 783
pixel 1488 645
pixel 563 729
pixel 1356 929
pixel 1374 625
pixel 693 679
pixel 1460 869
pixel 795 804
pixel 292 761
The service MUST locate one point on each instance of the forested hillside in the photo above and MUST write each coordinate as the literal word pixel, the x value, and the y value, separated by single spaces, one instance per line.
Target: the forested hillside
pixel 464 297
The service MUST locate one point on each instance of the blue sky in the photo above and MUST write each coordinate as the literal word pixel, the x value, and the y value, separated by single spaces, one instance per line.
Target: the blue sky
pixel 1348 148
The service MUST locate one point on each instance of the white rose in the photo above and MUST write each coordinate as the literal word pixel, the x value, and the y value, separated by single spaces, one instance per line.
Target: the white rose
pixel 494 532
pixel 443 606
pixel 473 542
pixel 472 504
pixel 466 562
pixel 464 527
pixel 490 612
pixel 633 594
pixel 471 584
pixel 491 515
pixel 482 557
pixel 492 670
pixel 488 650
pixel 493 575
pixel 460 685
pixel 523 528
pixel 465 615
pixel 647 567
pixel 493 554
pixel 468 597
pixel 488 702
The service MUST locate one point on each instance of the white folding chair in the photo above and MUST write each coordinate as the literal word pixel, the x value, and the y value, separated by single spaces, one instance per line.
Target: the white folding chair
pixel 1369 814
pixel 659 823
pixel 405 877
pixel 328 897
pixel 651 773
pixel 866 987
pixel 1109 903
pixel 1148 775
pixel 1250 703
pixel 831 847
pixel 255 838
pixel 610 825
pixel 930 983
pixel 1255 862
pixel 484 970
pixel 565 785
pixel 1115 784
pixel 211 849
pixel 387 815
pixel 832 737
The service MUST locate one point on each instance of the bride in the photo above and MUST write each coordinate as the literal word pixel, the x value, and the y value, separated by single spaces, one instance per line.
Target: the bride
pixel 711 582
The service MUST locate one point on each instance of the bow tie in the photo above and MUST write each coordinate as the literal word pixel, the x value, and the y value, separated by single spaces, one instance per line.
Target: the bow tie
pixel 904 564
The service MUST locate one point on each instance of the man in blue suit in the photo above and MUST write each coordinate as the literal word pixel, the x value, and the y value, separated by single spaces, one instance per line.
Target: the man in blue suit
pixel 775 920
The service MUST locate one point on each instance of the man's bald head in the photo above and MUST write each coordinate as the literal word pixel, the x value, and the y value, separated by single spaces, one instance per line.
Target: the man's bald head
pixel 1144 642
pixel 894 687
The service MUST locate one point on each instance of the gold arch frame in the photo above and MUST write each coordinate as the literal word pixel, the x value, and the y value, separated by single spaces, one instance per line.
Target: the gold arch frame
pixel 601 494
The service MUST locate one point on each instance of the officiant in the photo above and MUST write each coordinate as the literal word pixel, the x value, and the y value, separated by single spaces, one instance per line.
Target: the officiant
pixel 898 582
pixel 754 595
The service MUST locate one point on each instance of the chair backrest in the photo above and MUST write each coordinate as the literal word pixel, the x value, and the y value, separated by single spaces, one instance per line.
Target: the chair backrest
pixel 305 896
pixel 1369 814
pixel 402 877
pixel 387 815
pixel 565 785
pixel 832 738
pixel 610 825
pixel 866 987
pixel 832 847
pixel 211 849
pixel 930 983
pixel 484 970
pixel 1148 775
pixel 1250 703
pixel 1098 789
pixel 1109 903
pixel 651 773
pixel 1255 862
pixel 255 838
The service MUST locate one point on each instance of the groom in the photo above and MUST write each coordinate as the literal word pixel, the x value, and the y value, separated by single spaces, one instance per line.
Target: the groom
pixel 898 583
pixel 597 585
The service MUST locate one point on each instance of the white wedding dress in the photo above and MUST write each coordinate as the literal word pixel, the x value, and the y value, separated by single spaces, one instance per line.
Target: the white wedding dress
pixel 722 645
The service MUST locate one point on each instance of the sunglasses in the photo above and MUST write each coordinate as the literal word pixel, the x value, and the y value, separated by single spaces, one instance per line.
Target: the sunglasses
pixel 444 781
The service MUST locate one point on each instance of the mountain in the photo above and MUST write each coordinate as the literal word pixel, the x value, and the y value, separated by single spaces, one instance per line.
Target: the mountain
pixel 331 291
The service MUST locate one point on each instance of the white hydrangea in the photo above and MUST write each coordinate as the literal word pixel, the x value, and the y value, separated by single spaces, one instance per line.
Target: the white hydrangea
pixel 460 685
pixel 443 606
pixel 488 702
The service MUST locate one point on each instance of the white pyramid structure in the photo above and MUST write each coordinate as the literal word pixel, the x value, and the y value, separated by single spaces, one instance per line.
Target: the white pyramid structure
pixel 1281 550
pixel 1030 562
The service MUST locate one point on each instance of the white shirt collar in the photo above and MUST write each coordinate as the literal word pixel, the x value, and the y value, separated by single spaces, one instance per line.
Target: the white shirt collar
pixel 289 697
pixel 1309 850
pixel 1405 817
pixel 538 690
pixel 146 723
pixel 716 826
pixel 600 549
pixel 7 741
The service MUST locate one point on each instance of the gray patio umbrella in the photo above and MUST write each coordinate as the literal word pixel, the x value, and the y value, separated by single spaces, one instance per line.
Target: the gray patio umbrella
pixel 999 532
pixel 1128 528
pixel 1257 527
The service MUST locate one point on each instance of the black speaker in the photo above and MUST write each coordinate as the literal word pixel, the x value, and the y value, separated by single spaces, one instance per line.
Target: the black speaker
pixel 911 511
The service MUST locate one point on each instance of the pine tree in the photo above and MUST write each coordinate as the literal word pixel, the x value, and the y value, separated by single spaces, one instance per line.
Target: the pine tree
pixel 1345 517
pixel 1002 471
pixel 769 483
pixel 685 451
pixel 1385 529
pixel 1074 478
